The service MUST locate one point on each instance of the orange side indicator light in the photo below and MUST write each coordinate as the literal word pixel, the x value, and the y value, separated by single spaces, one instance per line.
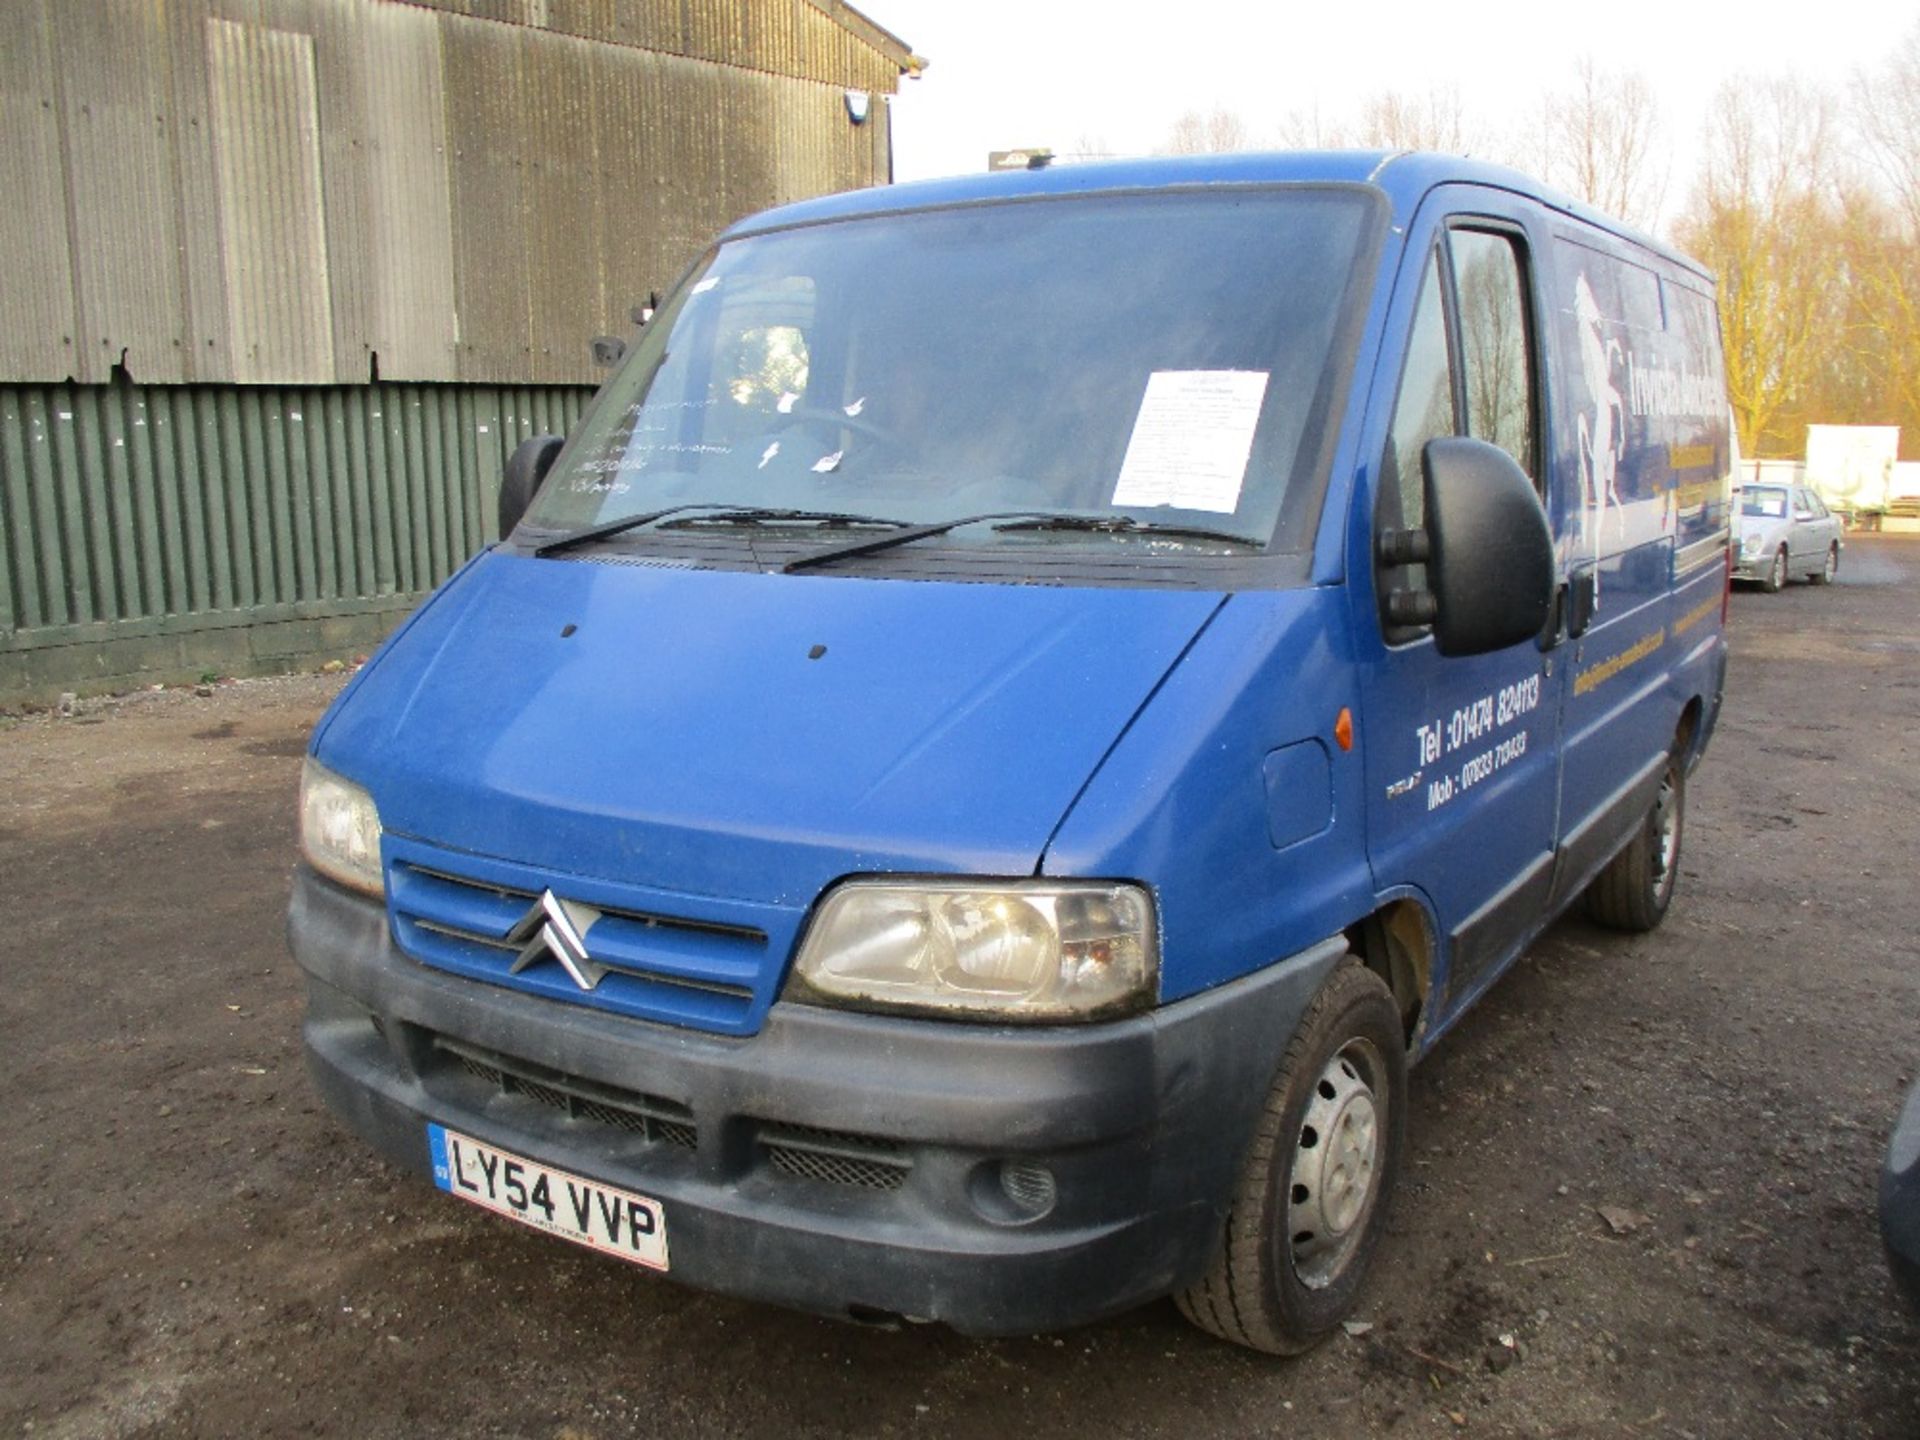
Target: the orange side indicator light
pixel 1343 729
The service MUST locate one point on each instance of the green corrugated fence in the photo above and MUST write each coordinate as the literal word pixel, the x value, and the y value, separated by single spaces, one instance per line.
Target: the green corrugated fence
pixel 152 532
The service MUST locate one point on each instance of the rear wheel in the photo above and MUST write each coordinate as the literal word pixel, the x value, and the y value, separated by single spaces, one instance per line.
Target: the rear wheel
pixel 1777 572
pixel 1829 568
pixel 1311 1200
pixel 1633 892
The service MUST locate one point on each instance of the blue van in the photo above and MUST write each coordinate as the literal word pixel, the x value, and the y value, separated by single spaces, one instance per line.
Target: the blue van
pixel 1023 705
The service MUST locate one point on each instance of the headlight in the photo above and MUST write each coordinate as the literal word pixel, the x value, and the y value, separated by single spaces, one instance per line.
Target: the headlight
pixel 1750 546
pixel 1012 950
pixel 339 829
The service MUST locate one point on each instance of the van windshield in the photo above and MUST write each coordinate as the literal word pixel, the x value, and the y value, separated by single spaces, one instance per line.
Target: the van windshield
pixel 1768 502
pixel 1167 358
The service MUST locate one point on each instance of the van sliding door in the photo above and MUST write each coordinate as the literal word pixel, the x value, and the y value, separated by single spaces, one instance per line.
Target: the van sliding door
pixel 1640 419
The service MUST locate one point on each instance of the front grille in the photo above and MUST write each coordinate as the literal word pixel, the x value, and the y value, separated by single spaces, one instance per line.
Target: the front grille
pixel 795 1152
pixel 834 1156
pixel 685 962
pixel 648 1116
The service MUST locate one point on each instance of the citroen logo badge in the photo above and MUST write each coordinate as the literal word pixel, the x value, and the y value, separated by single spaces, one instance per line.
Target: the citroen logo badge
pixel 556 928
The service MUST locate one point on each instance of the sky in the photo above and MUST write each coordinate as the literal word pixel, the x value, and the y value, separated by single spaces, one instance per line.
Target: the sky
pixel 1115 76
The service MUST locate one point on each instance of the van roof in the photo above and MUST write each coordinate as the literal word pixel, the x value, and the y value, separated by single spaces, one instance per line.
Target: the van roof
pixel 1403 176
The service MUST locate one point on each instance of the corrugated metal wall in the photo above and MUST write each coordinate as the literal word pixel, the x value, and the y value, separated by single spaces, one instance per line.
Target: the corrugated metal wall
pixel 132 511
pixel 822 40
pixel 298 191
pixel 224 218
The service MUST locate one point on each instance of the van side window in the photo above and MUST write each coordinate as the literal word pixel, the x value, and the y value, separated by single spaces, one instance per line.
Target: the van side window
pixel 1423 411
pixel 1479 382
pixel 1495 344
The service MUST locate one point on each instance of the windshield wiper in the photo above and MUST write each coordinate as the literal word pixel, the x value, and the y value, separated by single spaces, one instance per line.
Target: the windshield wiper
pixel 825 519
pixel 1029 519
pixel 1125 525
pixel 590 533
pixel 902 537
pixel 722 511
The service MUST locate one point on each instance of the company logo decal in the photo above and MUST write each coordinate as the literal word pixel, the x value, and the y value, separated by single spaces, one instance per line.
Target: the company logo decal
pixel 1602 430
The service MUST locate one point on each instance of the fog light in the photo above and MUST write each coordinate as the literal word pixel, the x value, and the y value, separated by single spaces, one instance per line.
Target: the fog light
pixel 1029 1187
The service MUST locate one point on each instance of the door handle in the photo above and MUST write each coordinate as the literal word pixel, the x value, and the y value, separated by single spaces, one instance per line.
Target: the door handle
pixel 1580 598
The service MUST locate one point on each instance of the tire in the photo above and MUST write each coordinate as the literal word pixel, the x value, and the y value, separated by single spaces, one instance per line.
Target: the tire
pixel 1776 580
pixel 1289 1268
pixel 1830 568
pixel 1633 892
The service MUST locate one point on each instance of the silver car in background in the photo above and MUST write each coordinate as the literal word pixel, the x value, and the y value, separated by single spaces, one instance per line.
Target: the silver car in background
pixel 1781 531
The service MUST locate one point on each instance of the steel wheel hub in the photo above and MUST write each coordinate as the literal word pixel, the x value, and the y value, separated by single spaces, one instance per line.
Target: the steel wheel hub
pixel 1666 822
pixel 1335 1167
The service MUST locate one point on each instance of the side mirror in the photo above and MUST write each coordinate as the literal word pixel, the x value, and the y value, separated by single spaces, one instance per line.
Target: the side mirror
pixel 526 468
pixel 1490 563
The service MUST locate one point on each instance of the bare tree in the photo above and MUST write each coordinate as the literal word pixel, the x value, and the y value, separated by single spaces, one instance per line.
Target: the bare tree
pixel 1601 140
pixel 1886 110
pixel 1858 379
pixel 1210 134
pixel 1311 130
pixel 1436 121
pixel 1873 378
pixel 1765 217
pixel 1090 147
pixel 1884 238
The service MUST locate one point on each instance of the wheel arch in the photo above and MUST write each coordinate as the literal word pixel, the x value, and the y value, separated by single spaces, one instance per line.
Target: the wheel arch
pixel 1398 943
pixel 1687 734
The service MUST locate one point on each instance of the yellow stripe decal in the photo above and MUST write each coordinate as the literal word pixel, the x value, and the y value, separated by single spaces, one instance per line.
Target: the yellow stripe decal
pixel 1608 668
pixel 1694 616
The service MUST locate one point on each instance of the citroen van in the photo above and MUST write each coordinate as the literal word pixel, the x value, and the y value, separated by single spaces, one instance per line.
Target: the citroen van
pixel 1018 712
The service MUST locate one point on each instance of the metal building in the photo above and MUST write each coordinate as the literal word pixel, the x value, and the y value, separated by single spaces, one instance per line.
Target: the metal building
pixel 287 279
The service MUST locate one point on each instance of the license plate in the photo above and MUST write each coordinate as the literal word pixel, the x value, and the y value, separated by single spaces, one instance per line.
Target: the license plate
pixel 614 1222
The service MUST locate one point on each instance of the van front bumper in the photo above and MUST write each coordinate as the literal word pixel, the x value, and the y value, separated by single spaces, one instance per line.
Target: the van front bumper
pixel 1001 1179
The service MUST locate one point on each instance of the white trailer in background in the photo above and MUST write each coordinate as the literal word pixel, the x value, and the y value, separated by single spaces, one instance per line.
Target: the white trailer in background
pixel 1851 468
pixel 1903 498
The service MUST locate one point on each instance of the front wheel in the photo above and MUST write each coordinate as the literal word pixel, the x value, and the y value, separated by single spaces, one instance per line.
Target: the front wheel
pixel 1311 1200
pixel 1633 892
pixel 1776 580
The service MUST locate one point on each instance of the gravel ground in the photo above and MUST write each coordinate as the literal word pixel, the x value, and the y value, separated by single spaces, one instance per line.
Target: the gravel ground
pixel 189 1246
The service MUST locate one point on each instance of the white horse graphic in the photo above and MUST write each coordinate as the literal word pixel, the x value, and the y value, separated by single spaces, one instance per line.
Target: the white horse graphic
pixel 1603 432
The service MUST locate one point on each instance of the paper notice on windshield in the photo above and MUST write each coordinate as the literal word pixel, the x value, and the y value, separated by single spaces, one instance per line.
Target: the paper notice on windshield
pixel 1191 439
